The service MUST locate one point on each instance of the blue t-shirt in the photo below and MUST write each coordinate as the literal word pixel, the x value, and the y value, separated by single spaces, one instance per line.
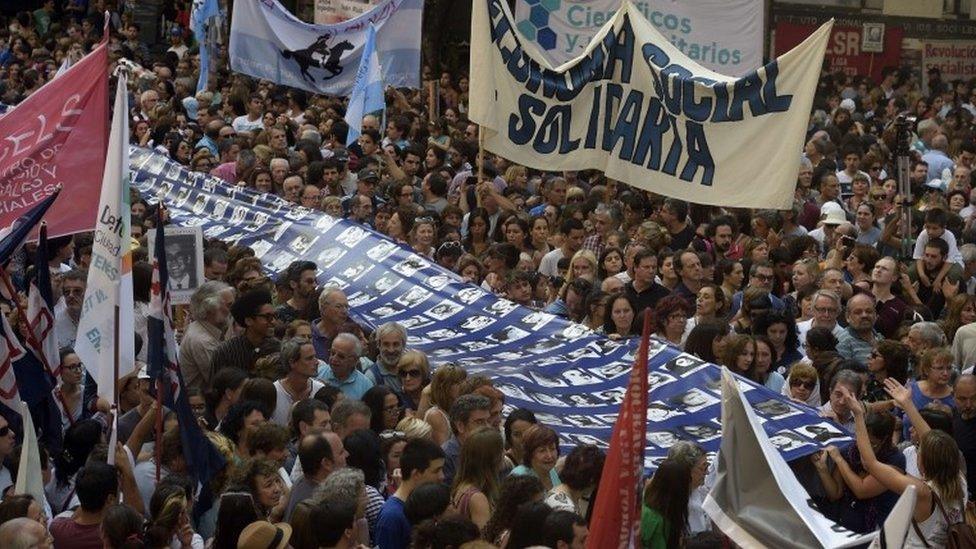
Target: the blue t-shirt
pixel 393 528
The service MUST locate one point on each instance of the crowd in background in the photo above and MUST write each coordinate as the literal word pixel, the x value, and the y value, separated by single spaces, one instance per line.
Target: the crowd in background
pixel 337 435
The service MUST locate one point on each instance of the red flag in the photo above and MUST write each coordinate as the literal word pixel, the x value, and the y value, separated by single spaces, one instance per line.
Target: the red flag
pixel 58 135
pixel 616 513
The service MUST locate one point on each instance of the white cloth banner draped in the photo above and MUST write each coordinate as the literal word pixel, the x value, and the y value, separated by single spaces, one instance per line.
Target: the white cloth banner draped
pixel 637 108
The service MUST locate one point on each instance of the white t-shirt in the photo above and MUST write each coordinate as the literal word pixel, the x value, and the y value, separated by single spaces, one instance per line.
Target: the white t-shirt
pixel 285 401
pixel 549 266
pixel 244 124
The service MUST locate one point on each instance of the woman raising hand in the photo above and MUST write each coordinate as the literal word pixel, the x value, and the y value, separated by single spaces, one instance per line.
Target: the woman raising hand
pixel 942 493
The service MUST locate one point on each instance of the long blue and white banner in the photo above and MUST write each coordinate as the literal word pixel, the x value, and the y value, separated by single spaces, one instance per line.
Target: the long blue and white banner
pixel 572 378
pixel 266 41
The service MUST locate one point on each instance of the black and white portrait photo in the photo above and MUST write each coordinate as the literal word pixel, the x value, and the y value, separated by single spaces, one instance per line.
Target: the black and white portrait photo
pixel 775 409
pixel 693 400
pixel 872 37
pixel 702 431
pixel 184 260
pixel 822 432
pixel 784 441
pixel 684 365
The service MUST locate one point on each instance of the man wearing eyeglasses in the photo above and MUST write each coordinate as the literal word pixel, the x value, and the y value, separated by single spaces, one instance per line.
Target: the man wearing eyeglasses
pixel 826 308
pixel 254 312
pixel 762 276
pixel 859 339
pixel 73 286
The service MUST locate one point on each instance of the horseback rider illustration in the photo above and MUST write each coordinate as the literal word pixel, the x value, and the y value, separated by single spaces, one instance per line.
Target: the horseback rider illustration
pixel 320 55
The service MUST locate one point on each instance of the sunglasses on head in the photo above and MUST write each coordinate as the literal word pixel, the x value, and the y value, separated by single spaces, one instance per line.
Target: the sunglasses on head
pixel 808 385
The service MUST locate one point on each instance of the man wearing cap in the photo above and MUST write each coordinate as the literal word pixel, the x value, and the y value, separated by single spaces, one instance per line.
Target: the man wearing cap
pixel 366 181
pixel 176 44
pixel 831 217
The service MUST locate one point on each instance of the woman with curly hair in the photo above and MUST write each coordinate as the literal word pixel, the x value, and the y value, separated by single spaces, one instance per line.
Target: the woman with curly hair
pixel 670 317
pixel 259 477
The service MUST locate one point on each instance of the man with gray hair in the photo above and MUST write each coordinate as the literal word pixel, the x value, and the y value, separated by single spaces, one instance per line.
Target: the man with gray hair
pixel 350 415
pixel 391 338
pixel 300 366
pixel 334 312
pixel 603 222
pixel 923 336
pixel 341 371
pixel 210 310
pixel 468 414
pixel 24 533
pixel 826 309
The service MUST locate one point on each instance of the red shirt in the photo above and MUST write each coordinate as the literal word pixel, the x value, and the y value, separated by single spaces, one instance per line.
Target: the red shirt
pixel 68 534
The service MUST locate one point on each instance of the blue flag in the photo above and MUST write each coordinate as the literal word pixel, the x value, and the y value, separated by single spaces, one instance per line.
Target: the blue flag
pixel 202 22
pixel 203 461
pixel 367 90
pixel 38 369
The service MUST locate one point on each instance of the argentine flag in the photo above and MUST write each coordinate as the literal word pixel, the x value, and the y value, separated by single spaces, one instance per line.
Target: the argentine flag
pixel 367 90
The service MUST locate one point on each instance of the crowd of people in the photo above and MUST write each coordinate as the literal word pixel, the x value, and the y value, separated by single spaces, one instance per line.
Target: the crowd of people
pixel 339 435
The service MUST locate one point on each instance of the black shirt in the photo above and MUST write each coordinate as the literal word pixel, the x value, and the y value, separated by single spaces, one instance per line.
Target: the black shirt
pixel 681 239
pixel 647 298
pixel 964 431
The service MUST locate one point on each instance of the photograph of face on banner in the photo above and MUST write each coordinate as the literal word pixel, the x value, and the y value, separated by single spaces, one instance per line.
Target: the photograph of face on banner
pixel 184 258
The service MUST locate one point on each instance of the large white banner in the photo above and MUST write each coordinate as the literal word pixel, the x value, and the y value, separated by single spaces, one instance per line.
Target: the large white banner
pixel 266 41
pixel 328 12
pixel 635 107
pixel 723 35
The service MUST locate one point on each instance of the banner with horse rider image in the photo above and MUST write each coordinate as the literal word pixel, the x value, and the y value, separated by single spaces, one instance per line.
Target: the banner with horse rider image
pixel 268 42
pixel 572 378
pixel 636 107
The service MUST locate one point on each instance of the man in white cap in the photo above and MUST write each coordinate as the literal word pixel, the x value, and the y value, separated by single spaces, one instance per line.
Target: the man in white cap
pixel 831 217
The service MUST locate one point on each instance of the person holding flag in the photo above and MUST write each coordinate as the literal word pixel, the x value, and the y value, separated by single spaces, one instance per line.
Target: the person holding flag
pixel 367 92
pixel 203 461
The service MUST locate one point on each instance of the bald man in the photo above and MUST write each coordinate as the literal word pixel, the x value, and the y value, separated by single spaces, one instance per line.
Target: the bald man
pixel 964 424
pixel 24 533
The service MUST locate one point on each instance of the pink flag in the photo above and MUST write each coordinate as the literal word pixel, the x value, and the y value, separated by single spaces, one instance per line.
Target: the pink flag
pixel 58 135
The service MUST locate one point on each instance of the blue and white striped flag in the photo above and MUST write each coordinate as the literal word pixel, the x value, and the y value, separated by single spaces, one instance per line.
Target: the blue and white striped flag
pixel 203 22
pixel 367 91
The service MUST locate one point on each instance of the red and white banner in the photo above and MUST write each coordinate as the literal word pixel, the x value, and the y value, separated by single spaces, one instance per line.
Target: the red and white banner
pixel 58 135
pixel 956 59
pixel 844 52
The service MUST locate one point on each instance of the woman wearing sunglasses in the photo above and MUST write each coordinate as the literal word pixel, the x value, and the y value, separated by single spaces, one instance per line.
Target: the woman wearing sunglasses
pixel 802 384
pixel 889 359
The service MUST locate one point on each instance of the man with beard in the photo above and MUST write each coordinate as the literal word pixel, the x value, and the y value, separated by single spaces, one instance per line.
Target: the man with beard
pixel 300 277
pixel 937 279
pixel 391 338
pixel 210 308
pixel 964 423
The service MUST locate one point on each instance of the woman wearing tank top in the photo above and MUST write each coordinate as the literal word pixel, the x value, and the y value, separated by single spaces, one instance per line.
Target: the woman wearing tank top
pixel 942 493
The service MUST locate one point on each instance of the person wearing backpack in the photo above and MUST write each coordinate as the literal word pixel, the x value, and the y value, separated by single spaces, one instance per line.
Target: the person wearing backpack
pixel 938 519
